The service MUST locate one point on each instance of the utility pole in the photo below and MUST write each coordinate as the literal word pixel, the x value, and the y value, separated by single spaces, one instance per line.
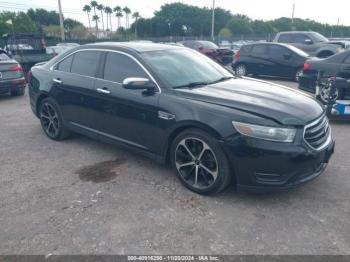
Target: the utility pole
pixel 293 12
pixel 213 22
pixel 61 20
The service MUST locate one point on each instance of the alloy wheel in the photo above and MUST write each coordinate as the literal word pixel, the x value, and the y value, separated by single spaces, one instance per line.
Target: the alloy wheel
pixel 325 94
pixel 196 163
pixel 49 119
pixel 241 70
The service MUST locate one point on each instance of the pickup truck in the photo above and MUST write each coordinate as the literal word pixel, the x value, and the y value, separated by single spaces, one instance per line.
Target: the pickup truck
pixel 26 48
pixel 312 43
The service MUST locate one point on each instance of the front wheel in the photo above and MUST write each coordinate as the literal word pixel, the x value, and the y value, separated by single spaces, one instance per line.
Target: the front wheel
pixel 51 120
pixel 199 162
pixel 241 70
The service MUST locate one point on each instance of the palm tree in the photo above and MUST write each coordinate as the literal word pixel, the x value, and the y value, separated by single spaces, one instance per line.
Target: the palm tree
pixel 94 4
pixel 100 8
pixel 118 14
pixel 136 15
pixel 108 12
pixel 87 9
pixel 127 11
pixel 96 18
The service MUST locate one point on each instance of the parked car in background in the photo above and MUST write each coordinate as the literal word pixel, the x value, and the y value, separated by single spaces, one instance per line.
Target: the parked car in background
pixel 68 44
pixel 11 76
pixel 26 48
pixel 172 103
pixel 60 48
pixel 223 56
pixel 337 65
pixel 270 59
pixel 312 43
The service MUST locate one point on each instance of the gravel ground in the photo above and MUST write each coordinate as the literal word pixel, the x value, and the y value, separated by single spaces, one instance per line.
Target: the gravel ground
pixel 82 196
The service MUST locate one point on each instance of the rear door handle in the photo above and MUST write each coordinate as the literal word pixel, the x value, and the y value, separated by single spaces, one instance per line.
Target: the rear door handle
pixel 103 90
pixel 57 81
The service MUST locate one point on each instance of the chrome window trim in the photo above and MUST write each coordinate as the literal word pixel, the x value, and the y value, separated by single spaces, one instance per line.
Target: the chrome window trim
pixel 329 138
pixel 106 50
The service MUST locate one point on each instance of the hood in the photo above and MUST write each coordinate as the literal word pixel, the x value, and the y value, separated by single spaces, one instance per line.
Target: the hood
pixel 282 104
pixel 343 44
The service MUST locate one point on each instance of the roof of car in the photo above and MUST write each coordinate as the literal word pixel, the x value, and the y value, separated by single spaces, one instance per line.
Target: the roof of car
pixel 139 47
pixel 295 32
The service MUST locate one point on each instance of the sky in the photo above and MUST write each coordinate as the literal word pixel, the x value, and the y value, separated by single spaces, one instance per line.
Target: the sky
pixel 319 10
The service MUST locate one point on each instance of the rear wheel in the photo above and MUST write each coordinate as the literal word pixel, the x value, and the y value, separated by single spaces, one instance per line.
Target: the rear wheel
pixel 199 162
pixel 241 70
pixel 51 120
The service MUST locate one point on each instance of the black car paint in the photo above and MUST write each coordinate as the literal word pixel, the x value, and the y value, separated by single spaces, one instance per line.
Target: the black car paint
pixel 148 122
pixel 285 65
pixel 337 65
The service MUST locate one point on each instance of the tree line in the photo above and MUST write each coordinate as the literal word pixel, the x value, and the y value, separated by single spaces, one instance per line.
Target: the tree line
pixel 175 19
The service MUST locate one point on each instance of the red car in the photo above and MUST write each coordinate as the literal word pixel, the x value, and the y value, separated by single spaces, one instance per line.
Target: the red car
pixel 221 55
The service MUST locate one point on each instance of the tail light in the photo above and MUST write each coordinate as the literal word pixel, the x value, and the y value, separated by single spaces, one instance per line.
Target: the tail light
pixel 16 67
pixel 306 66
pixel 237 54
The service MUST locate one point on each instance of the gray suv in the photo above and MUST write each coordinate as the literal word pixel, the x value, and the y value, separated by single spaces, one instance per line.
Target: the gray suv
pixel 312 43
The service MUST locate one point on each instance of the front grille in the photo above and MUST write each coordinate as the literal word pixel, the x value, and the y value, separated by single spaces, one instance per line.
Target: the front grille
pixel 317 134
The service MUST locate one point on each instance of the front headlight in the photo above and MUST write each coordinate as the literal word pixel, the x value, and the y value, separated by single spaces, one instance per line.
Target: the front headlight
pixel 265 132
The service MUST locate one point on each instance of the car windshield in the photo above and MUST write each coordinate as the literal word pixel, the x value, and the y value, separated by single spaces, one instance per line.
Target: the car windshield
pixel 183 67
pixel 319 38
pixel 209 45
pixel 298 51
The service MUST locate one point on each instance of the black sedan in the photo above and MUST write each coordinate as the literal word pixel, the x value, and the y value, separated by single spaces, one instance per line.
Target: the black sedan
pixel 11 76
pixel 173 103
pixel 270 59
pixel 337 65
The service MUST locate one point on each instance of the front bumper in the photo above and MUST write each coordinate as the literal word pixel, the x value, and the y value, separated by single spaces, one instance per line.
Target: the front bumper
pixel 261 166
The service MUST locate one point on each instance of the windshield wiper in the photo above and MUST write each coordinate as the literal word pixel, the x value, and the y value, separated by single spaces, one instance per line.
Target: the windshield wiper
pixel 192 84
pixel 222 79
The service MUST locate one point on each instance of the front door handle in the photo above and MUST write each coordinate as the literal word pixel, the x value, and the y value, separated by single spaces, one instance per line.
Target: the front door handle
pixel 57 81
pixel 103 90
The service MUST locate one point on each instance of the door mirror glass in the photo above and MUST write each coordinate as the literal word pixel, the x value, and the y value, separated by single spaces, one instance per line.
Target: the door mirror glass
pixel 137 83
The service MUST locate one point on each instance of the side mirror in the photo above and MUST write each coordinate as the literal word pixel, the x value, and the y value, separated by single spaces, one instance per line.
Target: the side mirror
pixel 308 41
pixel 137 83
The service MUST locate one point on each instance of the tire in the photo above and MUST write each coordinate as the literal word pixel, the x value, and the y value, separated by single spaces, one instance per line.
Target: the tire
pixel 51 120
pixel 200 156
pixel 241 70
pixel 324 94
pixel 18 93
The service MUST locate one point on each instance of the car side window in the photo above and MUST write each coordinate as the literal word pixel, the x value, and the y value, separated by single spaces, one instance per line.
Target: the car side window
pixel 278 51
pixel 347 60
pixel 119 66
pixel 283 38
pixel 65 64
pixel 85 63
pixel 300 38
pixel 259 50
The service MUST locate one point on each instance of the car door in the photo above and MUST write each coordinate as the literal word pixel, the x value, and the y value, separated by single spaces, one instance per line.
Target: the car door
pixel 282 61
pixel 259 60
pixel 128 116
pixel 74 87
